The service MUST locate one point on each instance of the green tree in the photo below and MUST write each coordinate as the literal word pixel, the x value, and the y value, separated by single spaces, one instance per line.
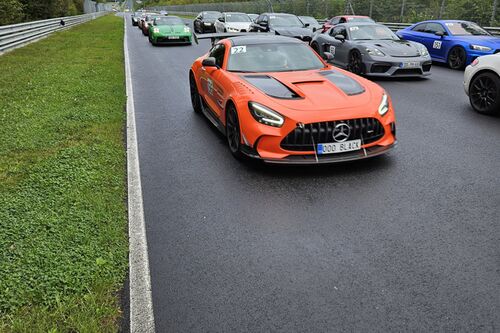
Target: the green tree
pixel 11 11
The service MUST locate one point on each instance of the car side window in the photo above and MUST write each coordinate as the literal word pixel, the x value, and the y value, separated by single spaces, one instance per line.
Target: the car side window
pixel 432 28
pixel 265 19
pixel 335 20
pixel 339 31
pixel 420 27
pixel 218 53
pixel 342 20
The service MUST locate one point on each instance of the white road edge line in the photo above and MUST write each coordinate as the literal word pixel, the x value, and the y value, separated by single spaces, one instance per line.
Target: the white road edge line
pixel 141 304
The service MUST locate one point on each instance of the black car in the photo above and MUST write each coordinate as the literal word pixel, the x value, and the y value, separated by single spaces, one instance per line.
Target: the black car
pixel 282 24
pixel 204 22
pixel 135 18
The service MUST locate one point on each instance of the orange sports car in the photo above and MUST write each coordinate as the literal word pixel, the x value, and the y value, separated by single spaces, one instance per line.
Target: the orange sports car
pixel 276 100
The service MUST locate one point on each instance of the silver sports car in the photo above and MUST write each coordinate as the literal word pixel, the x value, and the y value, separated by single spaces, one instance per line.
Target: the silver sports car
pixel 372 49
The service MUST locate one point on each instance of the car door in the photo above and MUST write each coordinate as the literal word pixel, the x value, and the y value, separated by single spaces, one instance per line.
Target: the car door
pixel 213 91
pixel 434 43
pixel 338 48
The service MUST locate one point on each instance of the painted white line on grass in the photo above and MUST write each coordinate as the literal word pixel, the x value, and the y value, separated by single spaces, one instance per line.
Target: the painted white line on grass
pixel 141 304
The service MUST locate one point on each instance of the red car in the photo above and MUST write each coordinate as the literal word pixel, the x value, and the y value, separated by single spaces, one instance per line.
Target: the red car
pixel 344 19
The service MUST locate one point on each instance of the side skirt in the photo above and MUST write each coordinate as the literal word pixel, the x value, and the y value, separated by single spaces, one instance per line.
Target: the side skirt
pixel 212 116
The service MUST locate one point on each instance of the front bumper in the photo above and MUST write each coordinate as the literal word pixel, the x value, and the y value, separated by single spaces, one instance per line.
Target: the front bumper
pixel 334 158
pixel 182 39
pixel 473 54
pixel 468 74
pixel 393 67
pixel 269 144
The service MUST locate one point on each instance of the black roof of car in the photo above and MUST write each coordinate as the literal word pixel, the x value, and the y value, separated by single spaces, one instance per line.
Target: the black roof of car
pixel 262 39
pixel 279 14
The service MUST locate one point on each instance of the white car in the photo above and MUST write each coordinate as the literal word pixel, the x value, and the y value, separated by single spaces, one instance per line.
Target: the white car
pixel 482 84
pixel 233 22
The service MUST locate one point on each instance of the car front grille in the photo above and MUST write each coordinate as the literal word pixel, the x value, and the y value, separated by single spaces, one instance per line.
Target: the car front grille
pixel 301 138
pixel 167 40
pixel 380 68
pixel 408 71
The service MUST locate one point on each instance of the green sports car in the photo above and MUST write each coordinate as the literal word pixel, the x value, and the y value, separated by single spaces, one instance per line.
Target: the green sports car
pixel 169 30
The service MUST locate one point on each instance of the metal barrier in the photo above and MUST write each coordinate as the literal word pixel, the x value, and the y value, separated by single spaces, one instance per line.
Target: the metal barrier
pixel 15 35
pixel 495 31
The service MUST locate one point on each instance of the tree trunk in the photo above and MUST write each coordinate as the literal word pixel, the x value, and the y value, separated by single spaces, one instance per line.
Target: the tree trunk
pixel 493 12
pixel 441 10
pixel 402 10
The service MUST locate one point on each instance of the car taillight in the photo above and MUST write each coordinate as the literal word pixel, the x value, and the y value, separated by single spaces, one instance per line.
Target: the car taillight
pixel 475 62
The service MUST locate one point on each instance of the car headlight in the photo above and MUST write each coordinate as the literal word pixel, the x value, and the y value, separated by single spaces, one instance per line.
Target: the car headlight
pixel 207 23
pixel 156 30
pixel 375 52
pixel 480 48
pixel 384 105
pixel 232 29
pixel 423 50
pixel 265 115
pixel 186 29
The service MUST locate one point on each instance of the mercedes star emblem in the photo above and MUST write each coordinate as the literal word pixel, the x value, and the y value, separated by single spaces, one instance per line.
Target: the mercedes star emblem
pixel 341 132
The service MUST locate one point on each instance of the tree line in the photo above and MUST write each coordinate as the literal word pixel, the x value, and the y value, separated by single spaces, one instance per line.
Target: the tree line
pixel 15 11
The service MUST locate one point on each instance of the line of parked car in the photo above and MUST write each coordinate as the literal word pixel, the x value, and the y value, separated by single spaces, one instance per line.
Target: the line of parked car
pixel 360 45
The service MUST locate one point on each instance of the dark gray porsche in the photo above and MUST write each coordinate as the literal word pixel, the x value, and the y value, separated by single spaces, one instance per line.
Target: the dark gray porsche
pixel 372 49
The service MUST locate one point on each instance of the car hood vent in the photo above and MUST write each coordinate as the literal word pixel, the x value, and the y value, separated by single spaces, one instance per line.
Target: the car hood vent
pixel 271 87
pixel 348 85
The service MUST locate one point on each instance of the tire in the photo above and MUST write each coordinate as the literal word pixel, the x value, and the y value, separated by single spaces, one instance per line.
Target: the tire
pixel 457 58
pixel 355 64
pixel 233 133
pixel 484 93
pixel 195 95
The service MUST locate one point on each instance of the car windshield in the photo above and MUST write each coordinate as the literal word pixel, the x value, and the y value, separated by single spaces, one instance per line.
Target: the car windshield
pixel 168 20
pixel 285 21
pixel 466 29
pixel 370 32
pixel 237 18
pixel 309 19
pixel 281 57
pixel 211 15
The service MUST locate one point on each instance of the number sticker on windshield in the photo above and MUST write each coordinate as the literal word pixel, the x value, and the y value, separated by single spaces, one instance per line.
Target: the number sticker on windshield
pixel 238 49
pixel 437 45
pixel 354 28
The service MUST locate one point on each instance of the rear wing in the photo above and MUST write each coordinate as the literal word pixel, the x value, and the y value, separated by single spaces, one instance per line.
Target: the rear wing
pixel 215 37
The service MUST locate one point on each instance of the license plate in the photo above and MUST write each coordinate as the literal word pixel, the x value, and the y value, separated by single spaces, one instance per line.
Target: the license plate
pixel 410 65
pixel 173 37
pixel 338 147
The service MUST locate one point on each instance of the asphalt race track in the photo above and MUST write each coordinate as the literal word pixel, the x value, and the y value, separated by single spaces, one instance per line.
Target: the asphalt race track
pixel 408 241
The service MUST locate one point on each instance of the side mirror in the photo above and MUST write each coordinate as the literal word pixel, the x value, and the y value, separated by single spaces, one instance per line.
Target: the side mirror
pixel 314 29
pixel 209 62
pixel 306 25
pixel 221 19
pixel 328 56
pixel 439 33
pixel 340 38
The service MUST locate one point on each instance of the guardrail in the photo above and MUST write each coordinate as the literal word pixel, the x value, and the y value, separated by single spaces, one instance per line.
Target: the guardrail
pixel 495 31
pixel 15 35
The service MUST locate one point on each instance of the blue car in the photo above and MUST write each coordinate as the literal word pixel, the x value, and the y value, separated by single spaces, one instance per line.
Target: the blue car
pixel 454 42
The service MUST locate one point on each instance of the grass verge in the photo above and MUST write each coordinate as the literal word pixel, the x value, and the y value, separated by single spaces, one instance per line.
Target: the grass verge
pixel 63 224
